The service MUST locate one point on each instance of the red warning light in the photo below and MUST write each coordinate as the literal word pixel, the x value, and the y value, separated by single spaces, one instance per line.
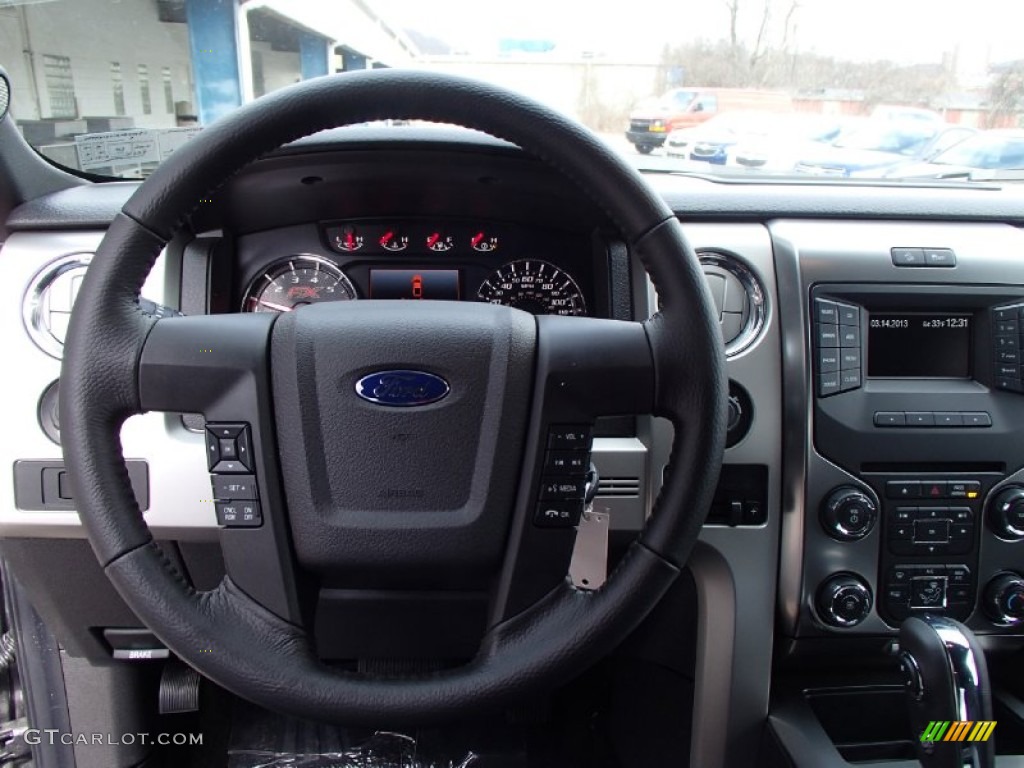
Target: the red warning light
pixel 417 286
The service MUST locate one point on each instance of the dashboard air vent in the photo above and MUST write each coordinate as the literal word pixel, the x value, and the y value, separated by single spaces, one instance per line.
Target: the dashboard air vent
pixel 618 488
pixel 739 299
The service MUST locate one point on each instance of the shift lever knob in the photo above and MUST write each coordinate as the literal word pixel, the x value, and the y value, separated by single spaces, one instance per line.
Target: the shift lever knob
pixel 947 682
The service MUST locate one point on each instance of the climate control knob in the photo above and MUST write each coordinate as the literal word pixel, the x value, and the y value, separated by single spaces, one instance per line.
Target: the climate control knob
pixel 1004 599
pixel 844 600
pixel 848 514
pixel 1006 513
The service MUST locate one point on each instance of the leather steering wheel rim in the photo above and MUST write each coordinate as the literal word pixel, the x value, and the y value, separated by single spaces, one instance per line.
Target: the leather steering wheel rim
pixel 256 653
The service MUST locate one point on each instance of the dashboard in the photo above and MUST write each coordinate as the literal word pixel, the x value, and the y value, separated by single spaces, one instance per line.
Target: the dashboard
pixel 873 337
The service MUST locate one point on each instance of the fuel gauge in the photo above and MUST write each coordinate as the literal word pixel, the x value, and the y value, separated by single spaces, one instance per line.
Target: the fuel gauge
pixel 483 242
pixel 439 243
pixel 394 241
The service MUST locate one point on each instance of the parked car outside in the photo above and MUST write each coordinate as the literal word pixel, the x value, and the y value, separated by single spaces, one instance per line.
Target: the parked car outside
pixel 654 119
pixel 996 150
pixel 786 139
pixel 882 144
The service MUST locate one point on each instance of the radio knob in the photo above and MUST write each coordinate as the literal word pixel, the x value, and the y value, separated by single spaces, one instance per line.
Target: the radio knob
pixel 848 514
pixel 844 600
pixel 1006 513
pixel 1004 599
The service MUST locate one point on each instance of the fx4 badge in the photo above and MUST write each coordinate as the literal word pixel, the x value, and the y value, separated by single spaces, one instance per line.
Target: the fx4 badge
pixel 403 389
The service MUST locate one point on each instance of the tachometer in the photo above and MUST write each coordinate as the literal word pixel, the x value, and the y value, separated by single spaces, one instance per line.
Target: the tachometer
pixel 535 286
pixel 296 281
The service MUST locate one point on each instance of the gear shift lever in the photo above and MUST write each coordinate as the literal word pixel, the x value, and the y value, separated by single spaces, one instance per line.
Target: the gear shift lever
pixel 947 681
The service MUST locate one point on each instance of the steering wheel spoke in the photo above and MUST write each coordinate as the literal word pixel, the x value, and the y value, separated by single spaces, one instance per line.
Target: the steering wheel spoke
pixel 217 365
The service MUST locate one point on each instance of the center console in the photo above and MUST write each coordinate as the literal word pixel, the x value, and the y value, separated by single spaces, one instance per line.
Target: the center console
pixel 904 489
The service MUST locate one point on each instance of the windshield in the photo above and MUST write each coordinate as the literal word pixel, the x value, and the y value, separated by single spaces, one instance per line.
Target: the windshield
pixel 113 87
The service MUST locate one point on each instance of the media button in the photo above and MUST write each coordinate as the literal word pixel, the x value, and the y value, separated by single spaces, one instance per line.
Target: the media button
pixel 828 335
pixel 828 360
pixel 848 315
pixel 931 532
pixel 1008 356
pixel 849 335
pixel 828 384
pixel 849 357
pixel 849 380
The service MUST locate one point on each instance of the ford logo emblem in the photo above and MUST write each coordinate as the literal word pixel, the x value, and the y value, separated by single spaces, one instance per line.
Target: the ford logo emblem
pixel 402 389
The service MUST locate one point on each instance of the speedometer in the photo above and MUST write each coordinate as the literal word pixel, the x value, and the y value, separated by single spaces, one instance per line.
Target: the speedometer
pixel 535 286
pixel 296 281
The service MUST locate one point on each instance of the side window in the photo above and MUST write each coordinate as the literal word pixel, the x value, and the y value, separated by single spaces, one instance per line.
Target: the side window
pixel 706 103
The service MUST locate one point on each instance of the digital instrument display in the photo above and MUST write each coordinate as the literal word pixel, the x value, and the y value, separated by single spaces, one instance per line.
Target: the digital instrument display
pixel 442 284
pixel 919 345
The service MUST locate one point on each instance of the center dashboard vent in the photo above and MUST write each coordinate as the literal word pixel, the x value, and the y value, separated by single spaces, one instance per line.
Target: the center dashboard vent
pixel 739 297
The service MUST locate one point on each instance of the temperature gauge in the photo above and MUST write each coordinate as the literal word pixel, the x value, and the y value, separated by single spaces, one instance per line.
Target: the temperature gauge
pixel 393 241
pixel 483 242
pixel 438 242
pixel 346 238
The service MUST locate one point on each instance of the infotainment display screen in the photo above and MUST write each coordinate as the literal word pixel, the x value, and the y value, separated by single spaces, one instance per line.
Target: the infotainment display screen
pixel 919 345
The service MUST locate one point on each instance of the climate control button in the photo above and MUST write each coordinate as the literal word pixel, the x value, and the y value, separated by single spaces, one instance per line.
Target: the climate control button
pixel 1006 513
pixel 844 600
pixel 1004 599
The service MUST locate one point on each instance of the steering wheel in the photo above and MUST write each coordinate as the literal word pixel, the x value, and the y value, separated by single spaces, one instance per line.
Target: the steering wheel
pixel 353 491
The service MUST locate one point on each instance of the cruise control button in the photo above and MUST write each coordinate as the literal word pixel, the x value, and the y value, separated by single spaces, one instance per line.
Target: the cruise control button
pixel 239 514
pixel 558 514
pixel 233 487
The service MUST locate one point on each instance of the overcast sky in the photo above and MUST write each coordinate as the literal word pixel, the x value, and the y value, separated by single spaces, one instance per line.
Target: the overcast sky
pixel 906 31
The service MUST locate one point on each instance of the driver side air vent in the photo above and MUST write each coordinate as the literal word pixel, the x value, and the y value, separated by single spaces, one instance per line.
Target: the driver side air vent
pixel 739 299
pixel 618 487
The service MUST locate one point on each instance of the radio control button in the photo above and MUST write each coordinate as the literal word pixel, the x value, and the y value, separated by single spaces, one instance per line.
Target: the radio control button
pixel 890 419
pixel 1008 356
pixel 1007 326
pixel 849 357
pixel 977 419
pixel 1008 370
pixel 931 532
pixel 849 335
pixel 904 514
pixel 1010 385
pixel 849 315
pixel 828 360
pixel 849 380
pixel 1007 341
pixel 903 489
pixel 828 384
pixel 1008 313
pixel 902 532
pixel 920 419
pixel 828 335
pixel 826 311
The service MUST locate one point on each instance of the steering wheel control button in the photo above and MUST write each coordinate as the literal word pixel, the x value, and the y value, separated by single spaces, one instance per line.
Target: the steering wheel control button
pixel 239 514
pixel 228 448
pixel 558 514
pixel 844 601
pixel 563 488
pixel 233 487
pixel 567 462
pixel 848 514
pixel 570 437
